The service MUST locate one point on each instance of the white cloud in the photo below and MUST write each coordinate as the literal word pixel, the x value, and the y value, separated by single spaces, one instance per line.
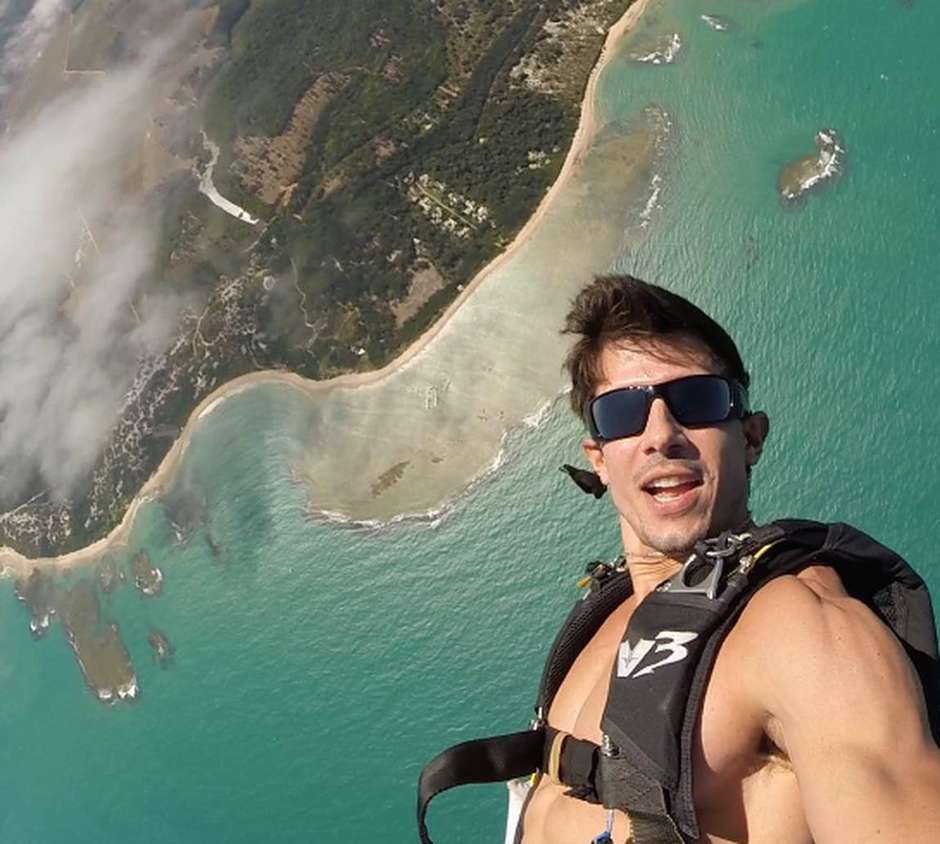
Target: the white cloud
pixel 30 36
pixel 68 355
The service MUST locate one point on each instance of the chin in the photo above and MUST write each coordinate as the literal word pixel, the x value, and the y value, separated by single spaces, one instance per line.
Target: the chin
pixel 675 543
pixel 677 538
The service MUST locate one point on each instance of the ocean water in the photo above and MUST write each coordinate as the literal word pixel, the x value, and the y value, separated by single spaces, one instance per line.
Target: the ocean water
pixel 318 666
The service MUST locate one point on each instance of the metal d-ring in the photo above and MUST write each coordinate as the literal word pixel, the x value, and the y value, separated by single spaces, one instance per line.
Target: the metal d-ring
pixel 679 584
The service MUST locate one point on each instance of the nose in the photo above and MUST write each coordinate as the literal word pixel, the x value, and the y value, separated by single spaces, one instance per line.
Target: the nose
pixel 663 434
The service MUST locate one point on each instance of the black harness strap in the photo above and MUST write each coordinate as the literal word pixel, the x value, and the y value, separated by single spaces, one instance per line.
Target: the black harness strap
pixel 609 588
pixel 653 829
pixel 495 759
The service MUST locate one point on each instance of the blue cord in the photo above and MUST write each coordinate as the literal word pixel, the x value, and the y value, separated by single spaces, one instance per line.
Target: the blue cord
pixel 606 837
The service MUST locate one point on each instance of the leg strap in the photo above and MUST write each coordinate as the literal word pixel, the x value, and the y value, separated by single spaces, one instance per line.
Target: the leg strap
pixel 495 759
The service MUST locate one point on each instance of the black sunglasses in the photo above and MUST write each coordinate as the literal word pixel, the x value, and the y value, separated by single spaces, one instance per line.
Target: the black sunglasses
pixel 694 400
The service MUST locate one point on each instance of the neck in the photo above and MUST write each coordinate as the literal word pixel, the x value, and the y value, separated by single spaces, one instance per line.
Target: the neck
pixel 648 568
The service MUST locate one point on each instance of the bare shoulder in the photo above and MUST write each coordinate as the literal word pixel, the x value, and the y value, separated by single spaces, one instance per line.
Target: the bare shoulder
pixel 816 657
pixel 834 688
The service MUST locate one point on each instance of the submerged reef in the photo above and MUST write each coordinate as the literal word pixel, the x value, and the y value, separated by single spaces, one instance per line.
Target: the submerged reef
pixel 812 171
pixel 36 593
pixel 75 602
pixel 110 575
pixel 147 578
pixel 161 646
pixel 98 648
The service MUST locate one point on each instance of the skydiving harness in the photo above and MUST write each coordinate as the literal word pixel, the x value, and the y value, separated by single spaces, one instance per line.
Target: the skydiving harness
pixel 644 765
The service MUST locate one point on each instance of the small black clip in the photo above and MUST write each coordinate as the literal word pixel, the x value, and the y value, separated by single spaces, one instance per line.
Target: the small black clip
pixel 586 480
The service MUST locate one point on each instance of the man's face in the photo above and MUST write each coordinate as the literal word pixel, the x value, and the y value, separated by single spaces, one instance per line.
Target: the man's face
pixel 672 485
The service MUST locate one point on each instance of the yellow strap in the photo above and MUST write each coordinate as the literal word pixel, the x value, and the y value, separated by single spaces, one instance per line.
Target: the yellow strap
pixel 760 553
pixel 554 757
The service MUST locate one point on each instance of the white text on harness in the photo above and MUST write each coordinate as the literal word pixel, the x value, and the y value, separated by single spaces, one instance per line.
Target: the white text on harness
pixel 671 641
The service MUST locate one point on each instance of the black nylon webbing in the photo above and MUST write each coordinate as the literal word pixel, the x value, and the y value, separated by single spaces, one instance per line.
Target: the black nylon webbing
pixel 495 759
pixel 584 620
pixel 653 829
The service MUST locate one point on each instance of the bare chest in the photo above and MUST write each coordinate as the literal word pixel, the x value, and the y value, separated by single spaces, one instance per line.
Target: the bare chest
pixel 737 780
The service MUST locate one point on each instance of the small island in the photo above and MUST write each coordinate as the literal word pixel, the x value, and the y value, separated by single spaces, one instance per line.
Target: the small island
pixel 147 578
pixel 35 592
pixel 812 171
pixel 95 641
pixel 162 649
pixel 98 648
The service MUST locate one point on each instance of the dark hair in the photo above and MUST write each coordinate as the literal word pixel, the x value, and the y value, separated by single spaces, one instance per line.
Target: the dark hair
pixel 623 309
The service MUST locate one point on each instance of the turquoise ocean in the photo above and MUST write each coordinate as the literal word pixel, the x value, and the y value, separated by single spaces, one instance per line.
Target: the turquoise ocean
pixel 318 666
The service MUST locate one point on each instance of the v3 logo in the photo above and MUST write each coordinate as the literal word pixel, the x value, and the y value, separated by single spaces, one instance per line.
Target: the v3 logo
pixel 672 642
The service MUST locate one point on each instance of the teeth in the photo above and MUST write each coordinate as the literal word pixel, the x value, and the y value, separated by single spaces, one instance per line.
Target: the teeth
pixel 666 483
pixel 666 496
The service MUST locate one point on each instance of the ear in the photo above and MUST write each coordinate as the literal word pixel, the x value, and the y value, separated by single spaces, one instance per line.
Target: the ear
pixel 591 449
pixel 756 427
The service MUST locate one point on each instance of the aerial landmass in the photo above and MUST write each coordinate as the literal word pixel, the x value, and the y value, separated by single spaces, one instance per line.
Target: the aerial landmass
pixel 327 178
pixel 317 216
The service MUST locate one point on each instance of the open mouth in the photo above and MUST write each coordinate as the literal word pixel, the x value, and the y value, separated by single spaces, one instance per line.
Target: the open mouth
pixel 665 490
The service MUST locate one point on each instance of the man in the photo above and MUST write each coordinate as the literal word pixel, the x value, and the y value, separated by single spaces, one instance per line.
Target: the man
pixel 811 725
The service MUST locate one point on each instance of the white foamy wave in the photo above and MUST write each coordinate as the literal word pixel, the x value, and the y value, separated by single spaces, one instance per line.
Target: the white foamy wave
pixel 652 204
pixel 210 407
pixel 716 23
pixel 128 690
pixel 665 52
pixel 214 404
pixel 831 153
pixel 537 417
pixel 829 162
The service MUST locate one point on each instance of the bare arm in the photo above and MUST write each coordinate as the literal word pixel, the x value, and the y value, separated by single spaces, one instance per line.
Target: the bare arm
pixel 836 684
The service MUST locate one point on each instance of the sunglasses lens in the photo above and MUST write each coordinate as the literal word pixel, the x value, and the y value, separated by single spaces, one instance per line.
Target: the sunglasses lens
pixel 621 413
pixel 696 400
pixel 699 400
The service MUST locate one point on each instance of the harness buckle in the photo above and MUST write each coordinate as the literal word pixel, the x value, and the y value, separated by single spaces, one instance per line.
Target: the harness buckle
pixel 539 720
pixel 710 551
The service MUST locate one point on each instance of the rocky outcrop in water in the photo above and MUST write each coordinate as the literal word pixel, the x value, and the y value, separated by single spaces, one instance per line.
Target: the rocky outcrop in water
pixel 98 648
pixel 812 171
pixel 37 595
pixel 161 646
pixel 147 578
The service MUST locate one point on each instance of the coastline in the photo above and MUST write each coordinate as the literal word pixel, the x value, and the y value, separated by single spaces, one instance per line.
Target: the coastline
pixel 12 563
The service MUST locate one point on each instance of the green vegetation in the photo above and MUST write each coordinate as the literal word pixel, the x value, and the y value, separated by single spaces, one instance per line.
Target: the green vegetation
pixel 230 13
pixel 257 89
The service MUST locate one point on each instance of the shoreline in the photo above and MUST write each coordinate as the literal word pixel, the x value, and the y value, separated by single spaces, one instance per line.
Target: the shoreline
pixel 18 565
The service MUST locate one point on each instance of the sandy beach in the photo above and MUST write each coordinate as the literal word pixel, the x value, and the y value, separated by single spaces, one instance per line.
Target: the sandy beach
pixel 14 564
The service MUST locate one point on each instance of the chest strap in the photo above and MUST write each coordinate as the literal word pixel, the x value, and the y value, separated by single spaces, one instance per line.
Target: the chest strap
pixel 596 777
pixel 576 763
